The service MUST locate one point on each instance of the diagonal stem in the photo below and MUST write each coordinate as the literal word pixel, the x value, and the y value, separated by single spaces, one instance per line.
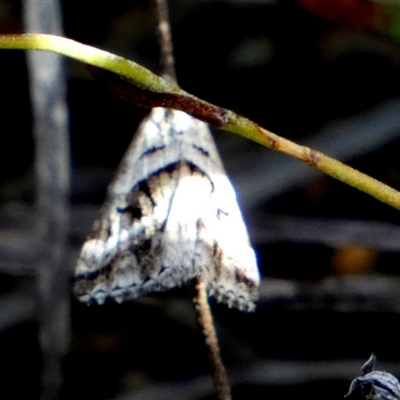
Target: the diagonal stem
pixel 153 91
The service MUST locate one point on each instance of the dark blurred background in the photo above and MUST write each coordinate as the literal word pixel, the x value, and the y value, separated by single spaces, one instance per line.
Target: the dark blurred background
pixel 329 255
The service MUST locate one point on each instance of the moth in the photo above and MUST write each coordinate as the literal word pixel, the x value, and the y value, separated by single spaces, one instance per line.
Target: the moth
pixel 170 216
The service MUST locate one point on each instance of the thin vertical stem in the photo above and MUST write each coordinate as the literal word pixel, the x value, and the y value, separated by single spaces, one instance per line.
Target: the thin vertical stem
pixel 48 98
pixel 167 50
pixel 200 297
pixel 205 319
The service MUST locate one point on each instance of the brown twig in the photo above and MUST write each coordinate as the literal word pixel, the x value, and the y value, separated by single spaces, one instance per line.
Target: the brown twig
pixel 200 297
pixel 204 316
pixel 167 51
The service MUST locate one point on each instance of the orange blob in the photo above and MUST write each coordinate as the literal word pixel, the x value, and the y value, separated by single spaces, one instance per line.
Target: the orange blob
pixel 353 260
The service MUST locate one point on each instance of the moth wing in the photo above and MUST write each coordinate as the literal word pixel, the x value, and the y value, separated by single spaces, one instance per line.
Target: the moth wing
pixel 118 257
pixel 234 276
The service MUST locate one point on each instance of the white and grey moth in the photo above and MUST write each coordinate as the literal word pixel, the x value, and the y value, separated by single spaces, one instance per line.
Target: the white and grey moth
pixel 170 216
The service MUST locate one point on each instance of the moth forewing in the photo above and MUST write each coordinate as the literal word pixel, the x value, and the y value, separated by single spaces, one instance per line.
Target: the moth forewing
pixel 170 216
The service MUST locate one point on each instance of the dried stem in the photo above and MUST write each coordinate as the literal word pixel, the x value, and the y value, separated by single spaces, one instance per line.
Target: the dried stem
pixel 50 130
pixel 200 298
pixel 167 51
pixel 205 319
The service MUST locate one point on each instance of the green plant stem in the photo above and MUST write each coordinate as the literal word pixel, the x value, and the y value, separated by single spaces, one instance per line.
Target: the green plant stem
pixel 174 97
pixel 316 159
pixel 92 56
